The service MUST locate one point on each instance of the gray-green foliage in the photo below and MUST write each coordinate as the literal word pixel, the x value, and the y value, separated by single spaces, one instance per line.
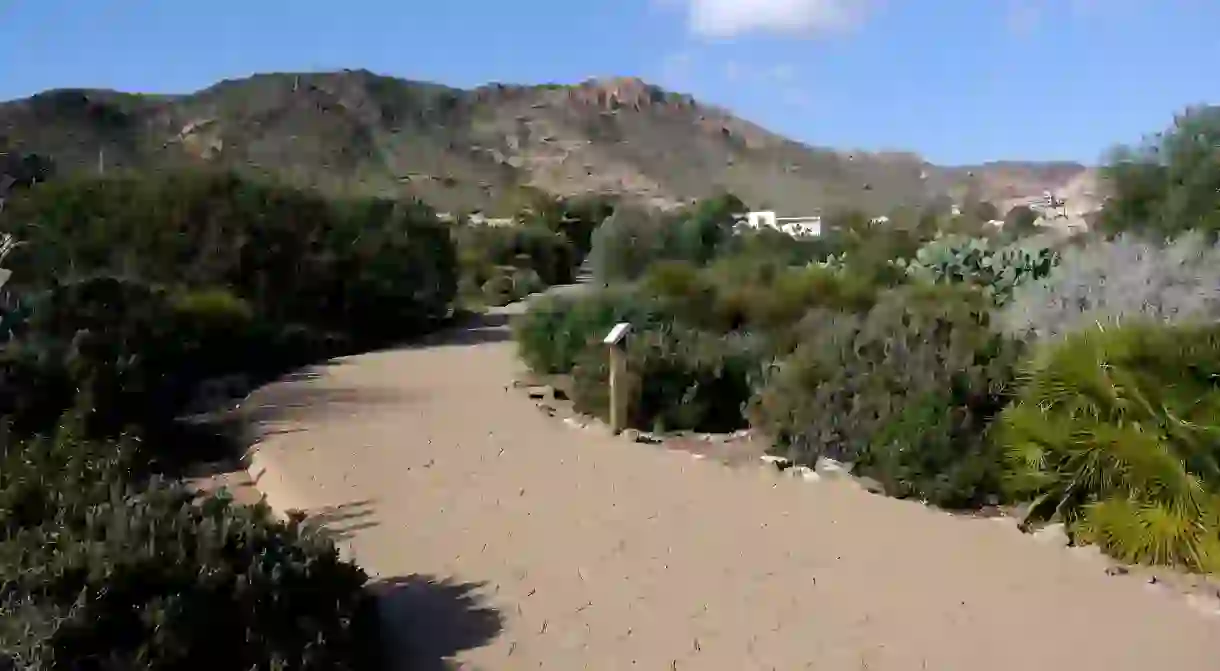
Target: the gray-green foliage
pixel 905 390
pixel 1110 281
pixel 625 244
pixel 998 270
pixel 633 238
pixel 99 570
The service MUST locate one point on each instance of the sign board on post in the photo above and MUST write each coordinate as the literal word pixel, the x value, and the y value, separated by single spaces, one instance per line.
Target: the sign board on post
pixel 617 340
pixel 618 333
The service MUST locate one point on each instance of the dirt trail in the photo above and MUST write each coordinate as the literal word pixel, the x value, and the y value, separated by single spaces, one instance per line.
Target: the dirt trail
pixel 507 540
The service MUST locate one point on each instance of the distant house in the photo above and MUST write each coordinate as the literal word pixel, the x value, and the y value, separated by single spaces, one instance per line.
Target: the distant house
pixel 797 227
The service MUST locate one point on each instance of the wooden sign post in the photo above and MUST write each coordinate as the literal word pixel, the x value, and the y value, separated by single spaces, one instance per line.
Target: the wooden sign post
pixel 616 342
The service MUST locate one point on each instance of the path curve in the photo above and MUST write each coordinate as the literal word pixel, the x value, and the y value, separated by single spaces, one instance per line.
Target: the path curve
pixel 507 540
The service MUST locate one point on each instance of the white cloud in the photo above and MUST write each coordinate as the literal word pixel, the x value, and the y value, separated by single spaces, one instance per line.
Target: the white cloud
pixel 731 18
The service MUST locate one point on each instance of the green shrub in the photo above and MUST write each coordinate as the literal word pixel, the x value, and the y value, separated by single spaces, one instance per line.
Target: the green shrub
pixel 526 282
pixel 775 305
pixel 1021 221
pixel 134 293
pixel 905 391
pixel 373 269
pixel 678 379
pixel 128 354
pixel 768 243
pixel 554 331
pixel 1170 183
pixel 682 291
pixel 97 571
pixel 634 238
pixel 482 250
pixel 627 243
pixel 499 290
pixel 510 284
pixel 1115 432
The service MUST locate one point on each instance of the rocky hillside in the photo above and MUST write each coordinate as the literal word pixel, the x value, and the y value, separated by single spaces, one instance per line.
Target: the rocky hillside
pixel 354 131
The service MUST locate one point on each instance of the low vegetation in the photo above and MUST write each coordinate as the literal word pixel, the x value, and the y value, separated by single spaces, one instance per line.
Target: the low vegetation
pixel 949 361
pixel 548 242
pixel 129 296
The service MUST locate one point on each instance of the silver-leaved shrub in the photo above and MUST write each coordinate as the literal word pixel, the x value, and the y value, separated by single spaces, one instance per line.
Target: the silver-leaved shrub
pixel 1108 282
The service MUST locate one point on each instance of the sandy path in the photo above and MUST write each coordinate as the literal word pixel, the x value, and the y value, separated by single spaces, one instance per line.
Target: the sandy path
pixel 507 540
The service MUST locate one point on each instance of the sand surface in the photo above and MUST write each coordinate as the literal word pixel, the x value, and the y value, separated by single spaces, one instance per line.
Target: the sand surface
pixel 503 539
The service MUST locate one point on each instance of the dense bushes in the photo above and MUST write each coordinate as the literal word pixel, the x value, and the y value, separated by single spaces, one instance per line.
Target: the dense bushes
pixel 130 294
pixel 905 391
pixel 101 571
pixel 1108 282
pixel 1117 432
pixel 634 238
pixel 550 239
pixel 509 284
pixel 1170 183
pixel 142 288
pixel 679 379
pixel 484 250
pixel 378 269
pixel 555 331
pixel 129 355
pixel 1077 376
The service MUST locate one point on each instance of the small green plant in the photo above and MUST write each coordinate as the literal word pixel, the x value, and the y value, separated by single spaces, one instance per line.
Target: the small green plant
pixel 1115 433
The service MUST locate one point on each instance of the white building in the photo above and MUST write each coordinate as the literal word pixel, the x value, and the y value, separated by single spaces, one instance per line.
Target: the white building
pixel 797 227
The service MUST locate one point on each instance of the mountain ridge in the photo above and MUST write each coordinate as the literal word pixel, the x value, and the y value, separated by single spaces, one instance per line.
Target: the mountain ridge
pixel 353 131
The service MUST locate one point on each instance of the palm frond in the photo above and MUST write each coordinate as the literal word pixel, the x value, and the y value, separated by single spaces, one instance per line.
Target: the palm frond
pixel 1117 433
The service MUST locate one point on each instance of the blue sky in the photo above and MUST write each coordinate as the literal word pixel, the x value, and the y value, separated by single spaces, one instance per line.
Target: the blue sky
pixel 959 81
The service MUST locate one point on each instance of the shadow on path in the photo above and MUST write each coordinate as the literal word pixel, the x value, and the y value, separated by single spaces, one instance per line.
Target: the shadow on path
pixel 341 522
pixel 426 621
pixel 471 329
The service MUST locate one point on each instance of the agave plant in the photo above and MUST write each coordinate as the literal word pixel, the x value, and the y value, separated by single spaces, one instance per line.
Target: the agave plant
pixel 1117 433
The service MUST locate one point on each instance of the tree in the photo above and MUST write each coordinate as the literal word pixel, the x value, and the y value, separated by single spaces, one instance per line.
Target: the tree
pixel 1020 221
pixel 986 211
pixel 1171 182
pixel 707 228
pixel 624 246
pixel 582 215
pixel 18 169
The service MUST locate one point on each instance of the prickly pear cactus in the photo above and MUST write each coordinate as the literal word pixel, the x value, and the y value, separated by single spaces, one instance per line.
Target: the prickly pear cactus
pixel 958 258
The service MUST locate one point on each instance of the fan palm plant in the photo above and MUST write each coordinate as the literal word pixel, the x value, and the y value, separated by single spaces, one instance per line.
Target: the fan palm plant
pixel 1117 433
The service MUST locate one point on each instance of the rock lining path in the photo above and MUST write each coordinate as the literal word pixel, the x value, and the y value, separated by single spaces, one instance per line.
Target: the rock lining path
pixel 504 539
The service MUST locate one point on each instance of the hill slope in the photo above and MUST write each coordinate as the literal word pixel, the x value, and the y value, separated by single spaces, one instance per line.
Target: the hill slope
pixel 354 131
